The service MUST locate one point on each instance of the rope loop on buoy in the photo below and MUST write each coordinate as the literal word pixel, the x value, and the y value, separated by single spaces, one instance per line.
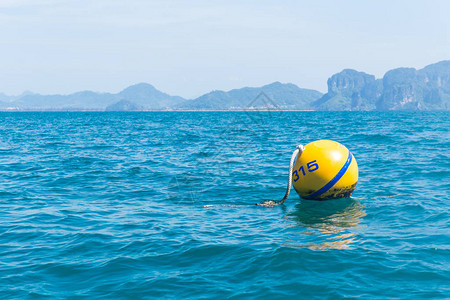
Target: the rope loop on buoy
pixel 271 203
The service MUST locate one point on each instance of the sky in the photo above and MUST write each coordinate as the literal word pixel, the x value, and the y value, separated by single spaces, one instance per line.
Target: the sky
pixel 188 48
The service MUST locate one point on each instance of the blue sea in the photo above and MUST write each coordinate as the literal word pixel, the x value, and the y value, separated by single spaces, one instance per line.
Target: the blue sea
pixel 112 206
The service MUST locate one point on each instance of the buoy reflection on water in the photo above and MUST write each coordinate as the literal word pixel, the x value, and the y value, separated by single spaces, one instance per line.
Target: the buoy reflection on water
pixel 334 223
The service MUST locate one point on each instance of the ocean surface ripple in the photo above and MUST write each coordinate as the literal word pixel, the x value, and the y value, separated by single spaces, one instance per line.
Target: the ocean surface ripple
pixel 111 205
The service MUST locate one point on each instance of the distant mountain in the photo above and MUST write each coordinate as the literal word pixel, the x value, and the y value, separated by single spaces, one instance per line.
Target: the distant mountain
pixel 149 97
pixel 5 100
pixel 411 89
pixel 80 100
pixel 400 89
pixel 124 105
pixel 277 95
pixel 143 95
pixel 349 90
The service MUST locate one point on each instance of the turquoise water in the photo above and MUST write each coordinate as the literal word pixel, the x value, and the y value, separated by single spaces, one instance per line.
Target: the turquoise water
pixel 110 205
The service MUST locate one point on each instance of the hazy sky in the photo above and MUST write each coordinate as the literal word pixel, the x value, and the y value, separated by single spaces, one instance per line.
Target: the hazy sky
pixel 188 48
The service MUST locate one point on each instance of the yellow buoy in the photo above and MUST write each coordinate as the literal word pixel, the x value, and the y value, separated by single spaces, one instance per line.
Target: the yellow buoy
pixel 325 170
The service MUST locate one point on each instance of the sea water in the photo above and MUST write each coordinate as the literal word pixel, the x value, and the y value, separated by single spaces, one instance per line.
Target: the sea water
pixel 111 205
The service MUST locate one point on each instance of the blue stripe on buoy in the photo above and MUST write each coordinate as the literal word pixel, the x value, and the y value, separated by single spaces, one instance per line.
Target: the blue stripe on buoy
pixel 333 181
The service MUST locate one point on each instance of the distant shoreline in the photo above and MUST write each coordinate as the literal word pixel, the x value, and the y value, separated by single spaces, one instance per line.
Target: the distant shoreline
pixel 240 110
pixel 137 111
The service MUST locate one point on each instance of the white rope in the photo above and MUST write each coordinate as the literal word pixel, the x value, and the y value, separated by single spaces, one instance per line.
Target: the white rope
pixel 269 203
